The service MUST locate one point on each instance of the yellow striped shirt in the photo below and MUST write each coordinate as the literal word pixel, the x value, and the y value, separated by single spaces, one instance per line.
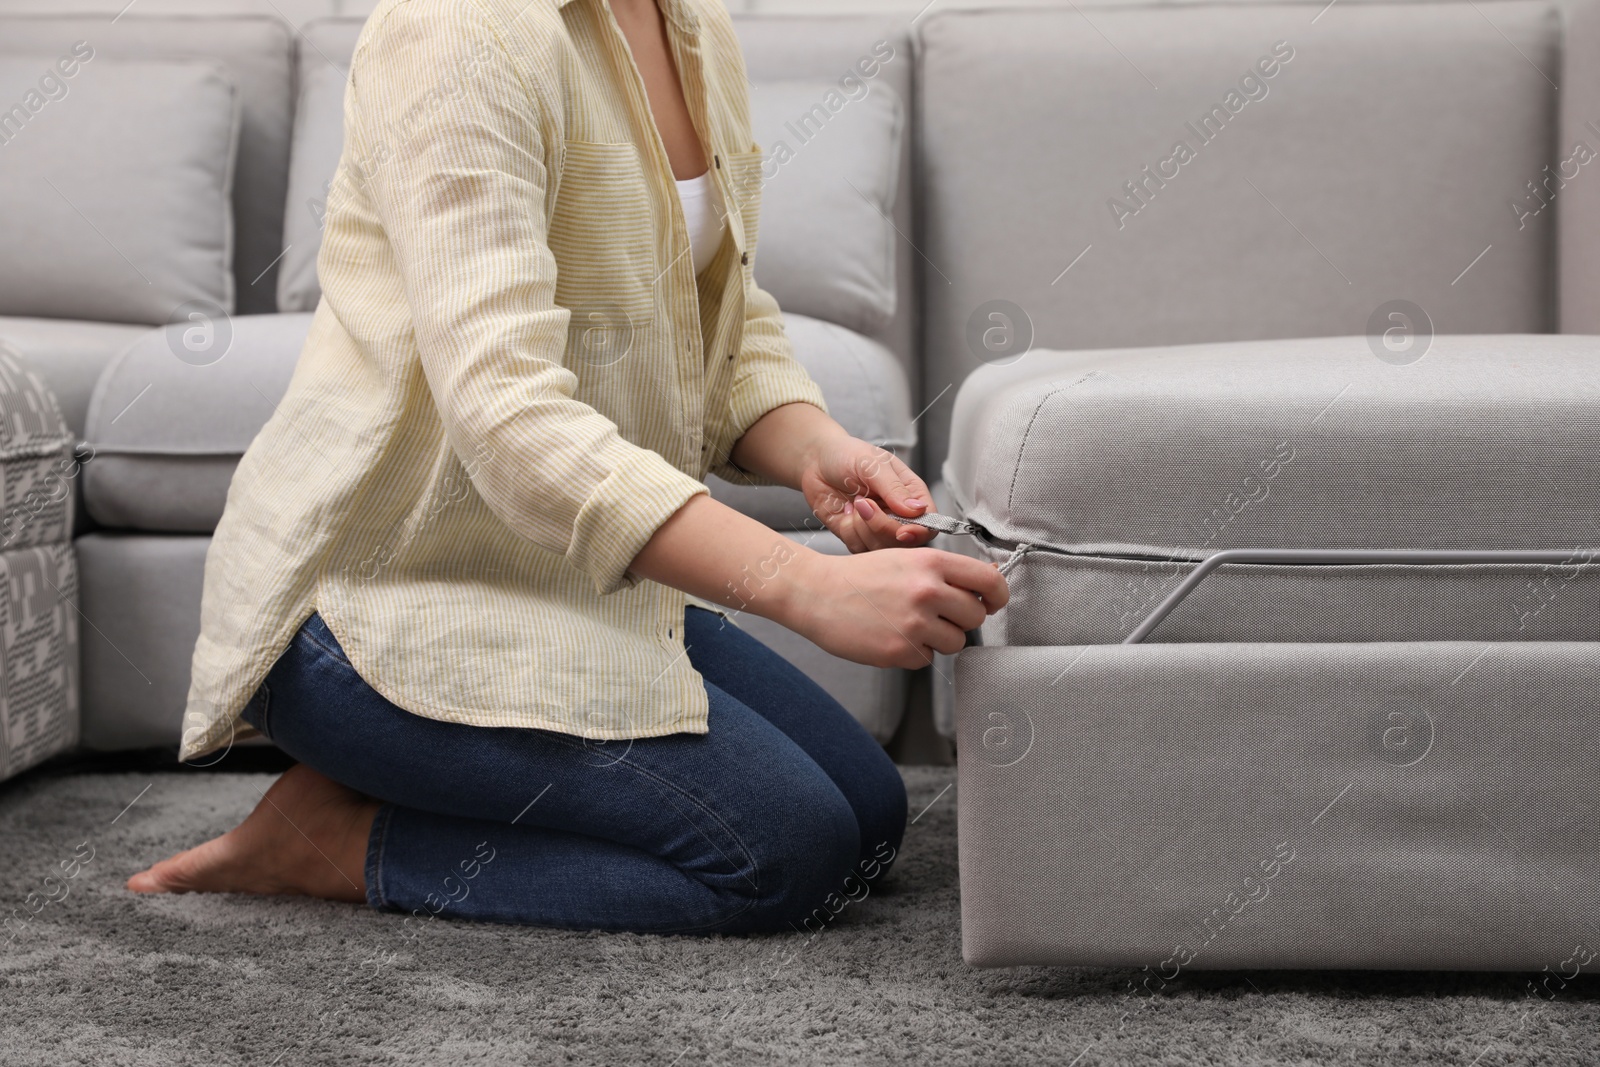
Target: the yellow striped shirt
pixel 513 379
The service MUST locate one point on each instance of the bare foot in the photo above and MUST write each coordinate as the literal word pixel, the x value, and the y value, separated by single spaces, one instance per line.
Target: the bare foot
pixel 308 836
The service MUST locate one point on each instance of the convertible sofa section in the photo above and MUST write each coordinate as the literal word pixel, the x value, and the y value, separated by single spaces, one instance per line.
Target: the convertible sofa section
pixel 1298 639
pixel 1244 172
pixel 161 275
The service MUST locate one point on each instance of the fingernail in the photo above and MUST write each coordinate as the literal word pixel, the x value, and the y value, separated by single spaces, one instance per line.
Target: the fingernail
pixel 863 508
pixel 905 535
pixel 916 503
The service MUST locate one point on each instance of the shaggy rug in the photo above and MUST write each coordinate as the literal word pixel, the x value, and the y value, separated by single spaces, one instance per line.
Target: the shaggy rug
pixel 102 977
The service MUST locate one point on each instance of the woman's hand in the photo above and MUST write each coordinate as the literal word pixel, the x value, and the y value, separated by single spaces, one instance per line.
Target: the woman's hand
pixel 892 609
pixel 856 488
pixel 886 609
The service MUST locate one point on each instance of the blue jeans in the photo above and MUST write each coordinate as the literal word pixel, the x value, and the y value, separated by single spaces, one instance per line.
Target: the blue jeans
pixel 784 810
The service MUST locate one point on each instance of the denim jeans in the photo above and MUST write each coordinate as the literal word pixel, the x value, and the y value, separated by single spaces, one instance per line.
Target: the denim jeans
pixel 785 808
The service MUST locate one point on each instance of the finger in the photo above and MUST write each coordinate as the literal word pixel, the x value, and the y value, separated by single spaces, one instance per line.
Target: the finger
pixel 946 637
pixel 847 528
pixel 877 528
pixel 912 536
pixel 961 608
pixel 896 485
pixel 885 530
pixel 982 578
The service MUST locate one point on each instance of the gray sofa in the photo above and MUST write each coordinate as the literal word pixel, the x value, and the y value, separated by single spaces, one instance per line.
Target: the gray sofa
pixel 964 186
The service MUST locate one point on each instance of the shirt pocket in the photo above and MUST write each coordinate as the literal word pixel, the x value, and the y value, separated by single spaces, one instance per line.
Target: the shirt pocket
pixel 602 234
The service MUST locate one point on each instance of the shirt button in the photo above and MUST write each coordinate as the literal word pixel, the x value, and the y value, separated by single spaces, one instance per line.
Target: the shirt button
pixel 718 159
pixel 744 258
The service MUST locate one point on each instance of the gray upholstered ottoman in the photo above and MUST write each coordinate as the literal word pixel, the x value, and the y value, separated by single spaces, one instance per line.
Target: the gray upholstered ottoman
pixel 38 578
pixel 1302 662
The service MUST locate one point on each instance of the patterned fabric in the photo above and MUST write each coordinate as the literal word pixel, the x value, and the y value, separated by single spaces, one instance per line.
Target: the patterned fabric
pixel 38 574
pixel 512 380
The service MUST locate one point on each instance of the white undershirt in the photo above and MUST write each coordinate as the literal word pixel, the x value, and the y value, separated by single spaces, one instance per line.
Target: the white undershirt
pixel 702 211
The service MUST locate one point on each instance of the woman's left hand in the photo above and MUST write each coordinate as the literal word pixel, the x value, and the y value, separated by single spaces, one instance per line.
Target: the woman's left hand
pixel 853 486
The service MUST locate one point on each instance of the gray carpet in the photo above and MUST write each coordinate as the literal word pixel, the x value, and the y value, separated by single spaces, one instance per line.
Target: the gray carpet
pixel 103 977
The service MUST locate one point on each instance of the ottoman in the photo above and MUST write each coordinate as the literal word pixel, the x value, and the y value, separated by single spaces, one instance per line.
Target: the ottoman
pixel 1301 666
pixel 38 577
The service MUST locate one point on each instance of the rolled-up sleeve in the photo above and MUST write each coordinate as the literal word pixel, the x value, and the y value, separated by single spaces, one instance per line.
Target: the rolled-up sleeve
pixel 454 145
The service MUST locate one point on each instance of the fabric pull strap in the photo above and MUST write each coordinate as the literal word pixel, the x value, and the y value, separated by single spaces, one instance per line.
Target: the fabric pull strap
pixel 950 525
pixel 933 520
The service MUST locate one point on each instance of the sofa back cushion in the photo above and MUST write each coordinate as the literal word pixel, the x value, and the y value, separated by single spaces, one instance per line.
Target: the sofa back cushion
pixel 257 56
pixel 828 106
pixel 326 47
pixel 1104 177
pixel 868 59
pixel 115 186
pixel 831 158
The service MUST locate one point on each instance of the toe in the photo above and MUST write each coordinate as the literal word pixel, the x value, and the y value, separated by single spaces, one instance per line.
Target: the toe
pixel 205 868
pixel 157 879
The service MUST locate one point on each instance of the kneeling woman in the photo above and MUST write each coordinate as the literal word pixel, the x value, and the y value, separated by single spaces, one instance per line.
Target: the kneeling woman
pixel 469 574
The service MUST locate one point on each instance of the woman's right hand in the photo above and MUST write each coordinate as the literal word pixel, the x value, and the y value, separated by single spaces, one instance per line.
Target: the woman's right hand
pixel 893 608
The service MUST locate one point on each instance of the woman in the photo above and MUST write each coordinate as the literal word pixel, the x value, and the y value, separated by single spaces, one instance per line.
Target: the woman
pixel 469 572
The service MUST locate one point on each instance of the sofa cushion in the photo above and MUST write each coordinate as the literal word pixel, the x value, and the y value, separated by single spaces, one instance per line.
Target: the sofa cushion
pixel 828 244
pixel 326 47
pixel 257 55
pixel 1340 182
pixel 69 356
pixel 850 51
pixel 173 413
pixel 118 205
pixel 829 176
pixel 1126 467
pixel 168 424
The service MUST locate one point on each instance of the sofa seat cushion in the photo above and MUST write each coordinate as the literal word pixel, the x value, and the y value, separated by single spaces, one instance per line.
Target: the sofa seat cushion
pixel 174 412
pixel 169 420
pixel 120 198
pixel 1124 468
pixel 69 356
pixel 257 53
